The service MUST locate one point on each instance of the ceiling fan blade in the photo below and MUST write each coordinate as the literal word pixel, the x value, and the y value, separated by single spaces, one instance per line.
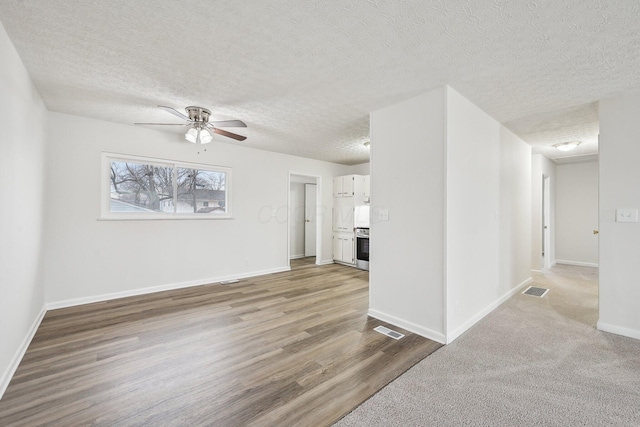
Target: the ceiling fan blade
pixel 163 124
pixel 228 134
pixel 228 123
pixel 174 112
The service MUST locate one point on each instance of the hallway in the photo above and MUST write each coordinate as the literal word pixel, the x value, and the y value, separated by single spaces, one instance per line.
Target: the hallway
pixel 532 361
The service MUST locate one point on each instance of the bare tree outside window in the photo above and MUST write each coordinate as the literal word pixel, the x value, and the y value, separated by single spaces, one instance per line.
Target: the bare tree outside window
pixel 201 191
pixel 141 185
pixel 137 187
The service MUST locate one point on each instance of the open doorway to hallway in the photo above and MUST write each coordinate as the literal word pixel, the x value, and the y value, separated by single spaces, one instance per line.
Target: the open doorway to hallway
pixel 304 232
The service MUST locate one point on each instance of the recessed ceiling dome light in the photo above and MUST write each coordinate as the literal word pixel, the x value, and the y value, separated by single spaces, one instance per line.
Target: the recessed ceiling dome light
pixel 567 146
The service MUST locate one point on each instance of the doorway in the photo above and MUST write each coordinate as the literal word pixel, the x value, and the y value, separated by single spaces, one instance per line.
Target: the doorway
pixel 304 246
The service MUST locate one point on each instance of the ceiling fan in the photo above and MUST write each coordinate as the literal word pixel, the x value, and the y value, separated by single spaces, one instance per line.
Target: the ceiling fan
pixel 200 129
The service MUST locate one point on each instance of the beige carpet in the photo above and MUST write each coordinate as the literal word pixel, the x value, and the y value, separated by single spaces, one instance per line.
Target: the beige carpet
pixel 531 362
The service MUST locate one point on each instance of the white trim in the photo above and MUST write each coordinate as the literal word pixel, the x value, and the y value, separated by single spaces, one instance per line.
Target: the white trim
pixel 297 256
pixel 324 262
pixel 578 263
pixel 618 330
pixel 488 309
pixel 409 326
pixel 7 375
pixel 142 291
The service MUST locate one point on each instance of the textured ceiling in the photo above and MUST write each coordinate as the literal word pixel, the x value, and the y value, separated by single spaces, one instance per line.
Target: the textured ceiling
pixel 305 74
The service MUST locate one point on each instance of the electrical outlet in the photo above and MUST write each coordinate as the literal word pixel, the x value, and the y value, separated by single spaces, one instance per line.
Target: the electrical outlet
pixel 626 215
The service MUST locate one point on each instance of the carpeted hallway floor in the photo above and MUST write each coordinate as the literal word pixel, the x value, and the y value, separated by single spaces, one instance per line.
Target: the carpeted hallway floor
pixel 531 362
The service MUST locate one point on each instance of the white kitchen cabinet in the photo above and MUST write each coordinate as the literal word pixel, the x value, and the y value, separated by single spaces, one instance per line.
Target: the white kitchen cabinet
pixel 348 192
pixel 343 186
pixel 343 248
pixel 366 182
pixel 343 218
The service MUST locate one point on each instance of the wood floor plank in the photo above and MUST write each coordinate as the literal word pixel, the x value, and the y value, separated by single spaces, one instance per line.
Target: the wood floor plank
pixel 293 348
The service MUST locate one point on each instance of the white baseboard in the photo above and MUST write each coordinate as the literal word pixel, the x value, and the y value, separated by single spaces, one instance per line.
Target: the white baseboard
pixel 578 263
pixel 298 256
pixel 488 309
pixel 17 357
pixel 618 330
pixel 409 326
pixel 142 291
pixel 325 262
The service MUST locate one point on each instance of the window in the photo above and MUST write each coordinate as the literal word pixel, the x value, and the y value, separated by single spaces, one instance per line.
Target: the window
pixel 142 188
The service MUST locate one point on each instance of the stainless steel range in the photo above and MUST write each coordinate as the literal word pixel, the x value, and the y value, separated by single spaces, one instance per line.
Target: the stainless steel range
pixel 362 248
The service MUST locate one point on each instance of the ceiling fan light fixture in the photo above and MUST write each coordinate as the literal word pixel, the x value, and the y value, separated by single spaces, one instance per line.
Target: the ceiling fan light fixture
pixel 198 135
pixel 205 136
pixel 192 135
pixel 567 146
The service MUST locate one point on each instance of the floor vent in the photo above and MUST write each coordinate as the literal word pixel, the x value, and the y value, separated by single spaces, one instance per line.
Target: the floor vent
pixel 228 282
pixel 388 332
pixel 536 292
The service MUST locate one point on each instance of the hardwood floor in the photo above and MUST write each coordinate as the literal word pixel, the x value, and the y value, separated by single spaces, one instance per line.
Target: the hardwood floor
pixel 294 348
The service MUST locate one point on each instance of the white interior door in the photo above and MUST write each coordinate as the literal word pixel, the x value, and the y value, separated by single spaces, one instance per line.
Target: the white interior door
pixel 310 210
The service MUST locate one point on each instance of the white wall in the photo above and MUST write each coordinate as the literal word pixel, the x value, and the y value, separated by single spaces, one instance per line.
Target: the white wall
pixel 296 205
pixel 406 278
pixel 459 221
pixel 541 166
pixel 90 259
pixel 577 213
pixel 22 163
pixel 361 169
pixel 488 214
pixel 515 211
pixel 619 174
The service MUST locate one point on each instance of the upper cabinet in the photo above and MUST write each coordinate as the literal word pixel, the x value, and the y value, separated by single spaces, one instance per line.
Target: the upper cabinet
pixel 356 186
pixel 343 186
pixel 367 188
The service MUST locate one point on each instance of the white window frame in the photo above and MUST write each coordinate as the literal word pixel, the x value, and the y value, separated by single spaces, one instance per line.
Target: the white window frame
pixel 105 196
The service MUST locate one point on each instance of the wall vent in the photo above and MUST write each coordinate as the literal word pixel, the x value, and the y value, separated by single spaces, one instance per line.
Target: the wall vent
pixel 535 291
pixel 388 332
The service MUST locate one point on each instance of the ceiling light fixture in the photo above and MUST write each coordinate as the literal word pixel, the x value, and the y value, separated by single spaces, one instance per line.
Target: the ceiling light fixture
pixel 567 146
pixel 198 135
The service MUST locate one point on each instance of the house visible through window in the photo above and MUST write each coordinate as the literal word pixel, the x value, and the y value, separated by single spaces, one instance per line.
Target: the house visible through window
pixel 148 188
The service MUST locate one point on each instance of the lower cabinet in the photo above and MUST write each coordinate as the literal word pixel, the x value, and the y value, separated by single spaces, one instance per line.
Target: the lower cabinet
pixel 343 248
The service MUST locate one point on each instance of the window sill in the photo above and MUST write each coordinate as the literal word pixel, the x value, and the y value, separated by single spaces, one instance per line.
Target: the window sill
pixel 162 218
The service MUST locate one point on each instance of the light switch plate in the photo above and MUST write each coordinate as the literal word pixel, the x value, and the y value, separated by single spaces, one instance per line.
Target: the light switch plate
pixel 626 215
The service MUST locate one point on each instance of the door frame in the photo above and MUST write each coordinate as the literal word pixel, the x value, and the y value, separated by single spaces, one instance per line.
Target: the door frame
pixel 310 200
pixel 546 220
pixel 318 182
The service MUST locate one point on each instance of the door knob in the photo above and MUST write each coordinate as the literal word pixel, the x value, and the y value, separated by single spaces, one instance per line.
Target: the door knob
pixel 307 220
pixel 595 231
